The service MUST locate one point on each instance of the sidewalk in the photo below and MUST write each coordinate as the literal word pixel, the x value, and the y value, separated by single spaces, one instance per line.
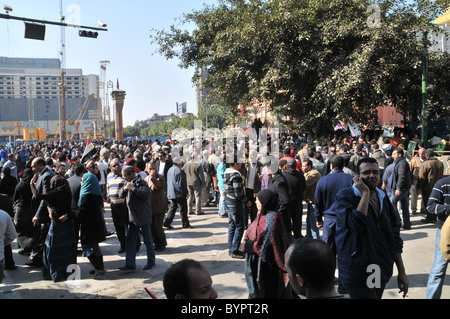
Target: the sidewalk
pixel 206 242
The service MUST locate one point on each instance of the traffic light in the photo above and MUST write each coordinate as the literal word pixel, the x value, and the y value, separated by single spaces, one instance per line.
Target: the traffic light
pixel 88 34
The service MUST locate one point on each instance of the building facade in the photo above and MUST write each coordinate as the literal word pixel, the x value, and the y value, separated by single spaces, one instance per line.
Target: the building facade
pixel 31 98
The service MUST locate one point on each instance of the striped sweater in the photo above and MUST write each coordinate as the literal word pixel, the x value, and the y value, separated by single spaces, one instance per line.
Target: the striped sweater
pixel 233 183
pixel 439 201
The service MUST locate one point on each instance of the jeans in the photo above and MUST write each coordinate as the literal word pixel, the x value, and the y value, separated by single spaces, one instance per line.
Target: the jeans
pixel 235 224
pixel 2 269
pixel 91 249
pixel 437 272
pixel 403 198
pixel 130 256
pixel 222 208
pixel 312 231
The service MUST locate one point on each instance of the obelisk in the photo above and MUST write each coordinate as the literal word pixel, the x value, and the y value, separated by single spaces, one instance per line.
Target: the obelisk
pixel 118 97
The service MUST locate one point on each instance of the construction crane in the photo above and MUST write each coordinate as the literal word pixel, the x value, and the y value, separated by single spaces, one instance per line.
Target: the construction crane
pixel 81 115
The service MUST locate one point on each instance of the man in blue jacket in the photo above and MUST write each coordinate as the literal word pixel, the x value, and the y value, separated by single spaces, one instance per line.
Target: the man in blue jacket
pixel 177 195
pixel 402 181
pixel 325 195
pixel 368 238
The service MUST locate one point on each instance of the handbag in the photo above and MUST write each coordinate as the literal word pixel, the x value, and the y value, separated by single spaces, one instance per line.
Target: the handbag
pixel 444 244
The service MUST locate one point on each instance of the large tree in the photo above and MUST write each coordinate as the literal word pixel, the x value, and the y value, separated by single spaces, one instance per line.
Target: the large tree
pixel 315 61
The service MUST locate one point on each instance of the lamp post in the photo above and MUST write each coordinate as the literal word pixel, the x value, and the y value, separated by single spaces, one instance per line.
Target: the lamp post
pixel 424 120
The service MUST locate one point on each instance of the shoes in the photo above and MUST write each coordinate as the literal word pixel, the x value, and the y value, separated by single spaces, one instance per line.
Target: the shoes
pixel 237 254
pixel 147 267
pixel 341 290
pixel 428 220
pixel 406 227
pixel 12 267
pixel 168 226
pixel 127 268
pixel 188 226
pixel 200 213
pixel 159 249
pixel 121 250
pixel 33 264
pixel 23 252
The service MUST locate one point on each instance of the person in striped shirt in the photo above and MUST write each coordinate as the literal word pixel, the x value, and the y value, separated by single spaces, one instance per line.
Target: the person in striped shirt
pixel 119 209
pixel 439 205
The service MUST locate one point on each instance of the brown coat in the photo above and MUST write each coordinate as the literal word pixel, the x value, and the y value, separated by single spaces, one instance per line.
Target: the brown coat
pixel 157 184
pixel 430 172
pixel 311 179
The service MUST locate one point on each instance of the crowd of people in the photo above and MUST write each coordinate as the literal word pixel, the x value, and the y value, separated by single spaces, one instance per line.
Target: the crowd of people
pixel 352 188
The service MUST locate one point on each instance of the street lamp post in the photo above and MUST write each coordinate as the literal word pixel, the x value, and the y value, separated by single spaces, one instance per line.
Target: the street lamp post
pixel 424 120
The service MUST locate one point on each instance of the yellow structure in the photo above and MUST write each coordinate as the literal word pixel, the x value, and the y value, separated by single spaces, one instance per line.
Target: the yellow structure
pixel 444 19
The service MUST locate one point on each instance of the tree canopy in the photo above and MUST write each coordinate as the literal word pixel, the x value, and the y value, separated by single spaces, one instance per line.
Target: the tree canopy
pixel 315 61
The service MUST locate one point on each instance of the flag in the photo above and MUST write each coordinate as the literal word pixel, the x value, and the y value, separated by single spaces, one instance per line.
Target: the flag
pixel 354 129
pixel 339 126
pixel 89 151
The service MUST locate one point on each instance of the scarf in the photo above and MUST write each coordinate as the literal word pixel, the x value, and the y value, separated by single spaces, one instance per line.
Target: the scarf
pixel 89 185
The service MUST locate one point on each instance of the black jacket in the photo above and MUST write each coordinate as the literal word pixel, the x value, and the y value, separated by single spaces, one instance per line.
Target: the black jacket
pixel 279 186
pixel 403 176
pixel 296 184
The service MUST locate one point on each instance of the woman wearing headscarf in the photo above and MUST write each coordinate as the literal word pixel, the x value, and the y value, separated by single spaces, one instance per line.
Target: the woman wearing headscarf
pixel 24 213
pixel 265 242
pixel 60 245
pixel 90 214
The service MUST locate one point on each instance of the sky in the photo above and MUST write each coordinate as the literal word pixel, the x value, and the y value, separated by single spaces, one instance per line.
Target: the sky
pixel 152 83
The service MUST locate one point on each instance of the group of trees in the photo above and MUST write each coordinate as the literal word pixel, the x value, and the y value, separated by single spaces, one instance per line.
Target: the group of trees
pixel 315 61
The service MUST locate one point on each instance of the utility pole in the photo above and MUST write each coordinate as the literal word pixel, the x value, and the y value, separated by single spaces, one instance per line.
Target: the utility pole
pixel 63 128
pixel 424 119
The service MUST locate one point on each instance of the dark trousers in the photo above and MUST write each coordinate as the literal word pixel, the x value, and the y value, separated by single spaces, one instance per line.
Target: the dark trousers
pixel 119 213
pixel 425 197
pixel 251 211
pixel 174 204
pixel 38 249
pixel 296 209
pixel 9 259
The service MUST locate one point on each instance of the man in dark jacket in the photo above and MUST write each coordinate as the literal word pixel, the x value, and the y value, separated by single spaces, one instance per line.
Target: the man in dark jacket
pixel 402 180
pixel 177 194
pixel 368 238
pixel 324 198
pixel 279 186
pixel 41 216
pixel 296 186
pixel 138 197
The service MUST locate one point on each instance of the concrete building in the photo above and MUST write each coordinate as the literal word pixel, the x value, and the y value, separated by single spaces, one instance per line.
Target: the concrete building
pixel 31 97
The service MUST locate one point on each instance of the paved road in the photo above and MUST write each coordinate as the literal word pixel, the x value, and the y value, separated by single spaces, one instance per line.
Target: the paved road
pixel 205 242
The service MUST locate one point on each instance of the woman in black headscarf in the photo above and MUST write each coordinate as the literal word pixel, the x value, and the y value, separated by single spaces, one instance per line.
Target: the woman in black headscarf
pixel 24 213
pixel 60 244
pixel 265 242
